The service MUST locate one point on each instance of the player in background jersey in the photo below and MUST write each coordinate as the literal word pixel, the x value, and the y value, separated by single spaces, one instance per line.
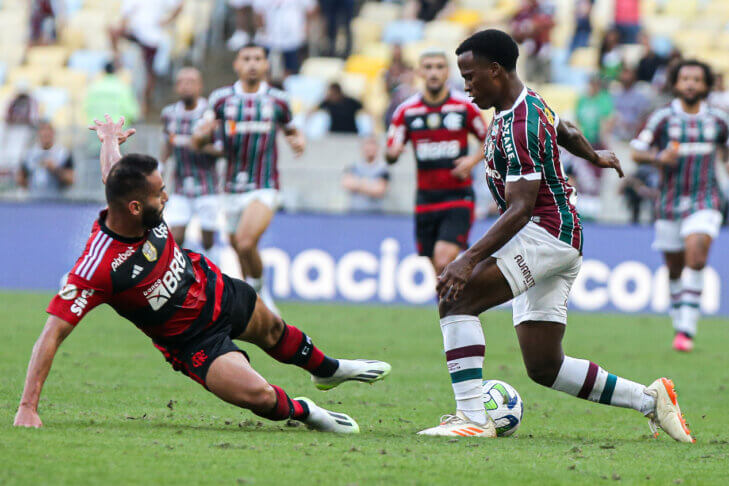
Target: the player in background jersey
pixel 438 122
pixel 183 302
pixel 531 254
pixel 248 116
pixel 196 180
pixel 682 140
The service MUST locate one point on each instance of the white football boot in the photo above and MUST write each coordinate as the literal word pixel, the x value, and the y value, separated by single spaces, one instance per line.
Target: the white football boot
pixel 364 370
pixel 458 425
pixel 323 420
pixel 667 415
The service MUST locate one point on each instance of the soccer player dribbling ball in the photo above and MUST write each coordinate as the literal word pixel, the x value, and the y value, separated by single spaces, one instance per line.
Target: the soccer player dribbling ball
pixel 438 122
pixel 682 140
pixel 531 254
pixel 182 301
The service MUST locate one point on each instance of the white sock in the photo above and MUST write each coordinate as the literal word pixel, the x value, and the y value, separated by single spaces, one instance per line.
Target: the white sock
pixel 584 379
pixel 256 283
pixel 675 287
pixel 465 346
pixel 693 286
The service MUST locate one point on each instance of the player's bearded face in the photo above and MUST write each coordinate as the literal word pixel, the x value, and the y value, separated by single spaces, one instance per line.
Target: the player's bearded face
pixel 690 85
pixel 151 216
pixel 435 71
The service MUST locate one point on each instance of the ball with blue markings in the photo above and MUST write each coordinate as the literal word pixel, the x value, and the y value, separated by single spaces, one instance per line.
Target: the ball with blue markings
pixel 504 405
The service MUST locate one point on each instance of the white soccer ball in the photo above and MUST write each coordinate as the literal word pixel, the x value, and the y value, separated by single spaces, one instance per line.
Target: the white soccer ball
pixel 503 404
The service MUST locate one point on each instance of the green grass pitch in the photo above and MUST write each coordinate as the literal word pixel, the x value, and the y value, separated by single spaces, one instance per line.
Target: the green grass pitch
pixel 115 413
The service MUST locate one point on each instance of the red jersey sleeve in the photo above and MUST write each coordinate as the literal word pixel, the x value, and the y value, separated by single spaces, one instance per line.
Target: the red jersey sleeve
pixel 398 131
pixel 475 122
pixel 77 297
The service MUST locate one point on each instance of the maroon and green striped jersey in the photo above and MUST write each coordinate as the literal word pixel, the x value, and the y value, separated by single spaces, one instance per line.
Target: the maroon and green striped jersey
pixel 249 124
pixel 691 185
pixel 522 144
pixel 195 173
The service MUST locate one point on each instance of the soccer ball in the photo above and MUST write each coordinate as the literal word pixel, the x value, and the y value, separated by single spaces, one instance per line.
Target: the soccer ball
pixel 504 406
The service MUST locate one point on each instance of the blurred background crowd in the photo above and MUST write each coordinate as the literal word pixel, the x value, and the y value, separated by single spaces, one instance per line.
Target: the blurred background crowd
pixel 346 65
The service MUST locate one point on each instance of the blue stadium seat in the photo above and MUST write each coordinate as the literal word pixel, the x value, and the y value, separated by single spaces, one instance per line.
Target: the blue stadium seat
pixel 403 32
pixel 91 62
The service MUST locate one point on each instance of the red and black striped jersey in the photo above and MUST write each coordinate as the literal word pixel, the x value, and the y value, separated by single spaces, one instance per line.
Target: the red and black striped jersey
pixel 249 125
pixel 195 173
pixel 169 293
pixel 522 144
pixel 439 135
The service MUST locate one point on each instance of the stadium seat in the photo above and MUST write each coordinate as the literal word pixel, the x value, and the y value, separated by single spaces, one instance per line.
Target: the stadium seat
pixel 75 82
pixel 72 38
pixel 368 66
pixel 584 58
pixel 379 50
pixel 722 40
pixel 632 53
pixel 663 25
pixel 403 32
pixel 560 98
pixel 31 75
pixel 468 18
pixel 695 41
pixel 326 68
pixel 308 90
pixel 364 32
pixel 382 13
pixel 685 9
pixel 90 62
pixel 51 99
pixel 445 32
pixel 47 57
pixel 354 85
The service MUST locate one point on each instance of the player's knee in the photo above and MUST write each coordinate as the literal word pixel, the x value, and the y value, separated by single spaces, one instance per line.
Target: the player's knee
pixel 459 307
pixel 543 372
pixel 696 260
pixel 274 332
pixel 259 397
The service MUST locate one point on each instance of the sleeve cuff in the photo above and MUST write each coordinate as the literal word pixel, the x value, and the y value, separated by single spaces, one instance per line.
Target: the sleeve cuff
pixel 533 176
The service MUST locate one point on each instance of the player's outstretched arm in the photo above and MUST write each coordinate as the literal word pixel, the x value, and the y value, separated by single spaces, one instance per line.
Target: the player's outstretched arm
pixel 571 138
pixel 54 332
pixel 521 196
pixel 111 135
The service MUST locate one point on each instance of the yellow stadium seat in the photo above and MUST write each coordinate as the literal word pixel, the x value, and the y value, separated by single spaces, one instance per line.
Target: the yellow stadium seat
pixel 378 50
pixel 364 32
pixel 354 85
pixel 47 57
pixel 63 118
pixel 326 68
pixel 12 55
pixel 685 9
pixel 183 34
pixel 585 58
pixel 368 66
pixel 31 75
pixel 632 53
pixel 72 38
pixel 411 52
pixel 663 25
pixel 444 32
pixel 75 82
pixel 381 13
pixel 694 40
pixel 560 98
pixel 468 18
pixel 722 40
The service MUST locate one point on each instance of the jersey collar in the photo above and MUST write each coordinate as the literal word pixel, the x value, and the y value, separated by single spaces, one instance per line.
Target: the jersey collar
pixel 678 108
pixel 519 100
pixel 238 89
pixel 118 237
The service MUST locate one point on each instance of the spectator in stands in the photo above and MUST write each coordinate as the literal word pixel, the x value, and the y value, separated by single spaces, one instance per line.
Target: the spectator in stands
pixel 244 23
pixel 48 167
pixel 640 188
pixel 338 14
pixel 404 90
pixel 23 108
pixel 111 95
pixel 427 10
pixel 583 24
pixel 627 20
pixel 342 110
pixel 650 62
pixel 594 113
pixel 395 69
pixel 610 60
pixel 367 180
pixel 143 22
pixel 43 21
pixel 719 96
pixel 631 104
pixel 283 27
pixel 531 26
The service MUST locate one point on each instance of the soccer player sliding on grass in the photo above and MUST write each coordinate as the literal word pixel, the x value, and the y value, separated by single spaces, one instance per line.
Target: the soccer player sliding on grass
pixel 183 302
pixel 531 254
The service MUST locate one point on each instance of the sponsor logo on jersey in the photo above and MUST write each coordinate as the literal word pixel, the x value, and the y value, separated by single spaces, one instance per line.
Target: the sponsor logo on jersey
pixel 492 173
pixel 160 292
pixel 149 251
pixel 68 292
pixel 433 121
pixel 550 116
pixel 237 127
pixel 267 109
pixel 525 271
pixel 199 358
pixel 136 271
pixel 453 121
pixel 161 231
pixel 489 153
pixel 121 258
pixel 709 130
pixel 81 302
pixel 508 145
pixel 438 150
pixel 417 124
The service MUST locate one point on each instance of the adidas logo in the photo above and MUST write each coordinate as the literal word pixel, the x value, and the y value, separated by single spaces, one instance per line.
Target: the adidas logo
pixel 136 271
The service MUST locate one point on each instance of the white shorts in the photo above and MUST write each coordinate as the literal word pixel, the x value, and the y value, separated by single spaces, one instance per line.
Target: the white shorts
pixel 235 204
pixel 540 270
pixel 670 234
pixel 180 209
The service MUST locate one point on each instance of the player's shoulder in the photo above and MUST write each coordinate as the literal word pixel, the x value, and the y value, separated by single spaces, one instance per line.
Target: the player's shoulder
pixel 220 94
pixel 277 94
pixel 661 113
pixel 460 98
pixel 414 101
pixel 168 110
pixel 95 261
pixel 719 114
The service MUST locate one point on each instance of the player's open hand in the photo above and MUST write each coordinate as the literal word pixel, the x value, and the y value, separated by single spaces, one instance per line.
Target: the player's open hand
pixel 453 279
pixel 108 129
pixel 462 167
pixel 297 142
pixel 27 417
pixel 608 160
pixel 668 157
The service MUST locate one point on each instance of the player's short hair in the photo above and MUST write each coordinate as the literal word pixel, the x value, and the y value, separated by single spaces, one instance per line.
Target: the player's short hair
pixel 253 45
pixel 708 73
pixel 433 52
pixel 492 45
pixel 127 180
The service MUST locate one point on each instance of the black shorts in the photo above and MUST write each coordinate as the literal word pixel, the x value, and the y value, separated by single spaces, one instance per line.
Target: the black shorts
pixel 194 357
pixel 451 225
